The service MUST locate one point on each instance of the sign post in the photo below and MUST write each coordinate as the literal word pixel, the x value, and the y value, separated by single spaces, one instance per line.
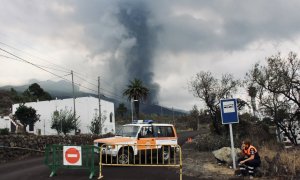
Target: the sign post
pixel 72 155
pixel 229 114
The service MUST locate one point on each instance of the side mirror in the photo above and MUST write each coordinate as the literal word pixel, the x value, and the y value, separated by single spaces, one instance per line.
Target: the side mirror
pixel 139 135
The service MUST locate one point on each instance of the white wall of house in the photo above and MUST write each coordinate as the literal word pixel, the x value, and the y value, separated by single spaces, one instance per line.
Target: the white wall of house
pixel 86 108
pixel 5 122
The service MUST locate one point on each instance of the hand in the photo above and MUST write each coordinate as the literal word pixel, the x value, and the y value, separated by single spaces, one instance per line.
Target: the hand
pixel 242 162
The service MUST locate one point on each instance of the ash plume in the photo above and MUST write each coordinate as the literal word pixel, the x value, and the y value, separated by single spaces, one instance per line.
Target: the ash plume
pixel 138 59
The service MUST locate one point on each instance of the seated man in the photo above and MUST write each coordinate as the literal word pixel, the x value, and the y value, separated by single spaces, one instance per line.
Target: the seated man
pixel 149 133
pixel 250 158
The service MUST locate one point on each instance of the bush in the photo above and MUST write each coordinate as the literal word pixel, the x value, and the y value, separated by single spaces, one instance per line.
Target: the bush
pixel 210 142
pixel 257 132
pixel 4 131
pixel 280 162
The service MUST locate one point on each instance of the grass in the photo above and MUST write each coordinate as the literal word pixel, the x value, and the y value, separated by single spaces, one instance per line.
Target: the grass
pixel 289 160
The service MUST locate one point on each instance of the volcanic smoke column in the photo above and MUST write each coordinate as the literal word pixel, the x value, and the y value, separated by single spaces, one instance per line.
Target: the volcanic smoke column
pixel 134 16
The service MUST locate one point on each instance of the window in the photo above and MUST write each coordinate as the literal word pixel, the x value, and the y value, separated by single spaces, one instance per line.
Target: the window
pixel 31 127
pixel 110 117
pixel 146 132
pixel 163 131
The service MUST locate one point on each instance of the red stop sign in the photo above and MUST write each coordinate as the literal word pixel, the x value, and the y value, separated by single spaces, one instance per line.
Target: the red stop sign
pixel 72 155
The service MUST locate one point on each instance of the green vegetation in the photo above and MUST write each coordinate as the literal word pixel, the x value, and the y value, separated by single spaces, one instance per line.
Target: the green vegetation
pixel 97 124
pixel 4 131
pixel 26 115
pixel 210 90
pixel 63 121
pixel 121 110
pixel 33 93
pixel 137 93
pixel 278 88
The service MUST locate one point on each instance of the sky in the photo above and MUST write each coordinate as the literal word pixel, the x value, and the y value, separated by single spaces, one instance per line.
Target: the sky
pixel 165 43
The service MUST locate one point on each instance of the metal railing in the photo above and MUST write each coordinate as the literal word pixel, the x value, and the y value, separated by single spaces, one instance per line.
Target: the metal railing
pixel 54 158
pixel 145 155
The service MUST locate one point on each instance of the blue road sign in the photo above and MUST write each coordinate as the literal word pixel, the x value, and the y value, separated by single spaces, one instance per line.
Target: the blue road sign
pixel 229 111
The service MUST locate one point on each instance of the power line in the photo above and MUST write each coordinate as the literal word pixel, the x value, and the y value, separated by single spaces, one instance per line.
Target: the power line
pixel 33 64
pixel 34 56
pixel 86 80
pixel 36 64
pixel 44 68
pixel 43 59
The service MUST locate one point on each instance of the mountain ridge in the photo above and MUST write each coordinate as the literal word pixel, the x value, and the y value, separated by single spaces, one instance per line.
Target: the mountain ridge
pixel 63 89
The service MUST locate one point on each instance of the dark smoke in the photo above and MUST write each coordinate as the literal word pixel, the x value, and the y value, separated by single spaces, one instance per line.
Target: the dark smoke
pixel 134 17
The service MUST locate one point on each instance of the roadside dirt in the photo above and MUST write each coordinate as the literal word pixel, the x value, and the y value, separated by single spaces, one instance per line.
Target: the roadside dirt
pixel 203 165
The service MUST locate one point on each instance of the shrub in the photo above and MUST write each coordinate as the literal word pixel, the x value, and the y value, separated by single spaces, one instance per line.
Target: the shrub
pixel 4 131
pixel 210 142
pixel 277 161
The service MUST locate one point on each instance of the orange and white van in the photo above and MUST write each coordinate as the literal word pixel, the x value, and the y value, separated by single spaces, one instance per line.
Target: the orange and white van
pixel 138 137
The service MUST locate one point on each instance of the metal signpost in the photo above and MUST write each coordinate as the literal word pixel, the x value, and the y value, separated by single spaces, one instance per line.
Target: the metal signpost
pixel 229 114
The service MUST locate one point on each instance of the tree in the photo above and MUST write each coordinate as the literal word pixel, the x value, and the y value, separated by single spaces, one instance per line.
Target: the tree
pixel 252 92
pixel 97 124
pixel 211 90
pixel 136 91
pixel 279 91
pixel 63 121
pixel 35 92
pixel 26 115
pixel 121 110
pixel 195 114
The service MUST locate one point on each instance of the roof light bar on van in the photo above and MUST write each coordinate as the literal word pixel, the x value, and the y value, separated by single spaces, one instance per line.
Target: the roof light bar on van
pixel 146 121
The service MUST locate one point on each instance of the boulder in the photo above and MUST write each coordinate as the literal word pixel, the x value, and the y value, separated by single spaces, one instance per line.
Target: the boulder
pixel 224 154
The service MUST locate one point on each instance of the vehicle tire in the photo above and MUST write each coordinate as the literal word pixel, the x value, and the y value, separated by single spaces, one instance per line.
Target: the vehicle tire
pixel 123 158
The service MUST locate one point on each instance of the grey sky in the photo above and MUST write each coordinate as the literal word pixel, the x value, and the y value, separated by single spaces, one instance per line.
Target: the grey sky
pixel 163 42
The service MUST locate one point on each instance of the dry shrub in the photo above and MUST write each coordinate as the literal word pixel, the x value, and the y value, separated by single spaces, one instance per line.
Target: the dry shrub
pixel 210 142
pixel 277 161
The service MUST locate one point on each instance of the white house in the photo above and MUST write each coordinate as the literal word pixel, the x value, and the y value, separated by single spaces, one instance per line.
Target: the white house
pixel 10 124
pixel 5 122
pixel 86 108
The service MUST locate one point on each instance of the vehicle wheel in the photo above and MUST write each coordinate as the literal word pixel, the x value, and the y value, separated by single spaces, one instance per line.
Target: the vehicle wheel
pixel 165 153
pixel 123 158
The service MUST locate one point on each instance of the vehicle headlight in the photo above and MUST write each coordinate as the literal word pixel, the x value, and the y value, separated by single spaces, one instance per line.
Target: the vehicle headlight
pixel 110 147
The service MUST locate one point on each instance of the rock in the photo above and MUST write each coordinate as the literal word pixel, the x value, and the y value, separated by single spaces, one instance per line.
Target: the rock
pixel 224 154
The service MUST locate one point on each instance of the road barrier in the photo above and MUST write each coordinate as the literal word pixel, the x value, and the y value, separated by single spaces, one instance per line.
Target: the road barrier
pixel 145 155
pixel 70 157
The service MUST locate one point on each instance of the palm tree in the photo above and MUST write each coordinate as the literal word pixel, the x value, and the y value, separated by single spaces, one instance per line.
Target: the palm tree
pixel 252 92
pixel 136 91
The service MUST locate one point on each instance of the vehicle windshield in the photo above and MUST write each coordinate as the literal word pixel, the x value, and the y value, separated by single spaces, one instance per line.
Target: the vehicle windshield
pixel 128 131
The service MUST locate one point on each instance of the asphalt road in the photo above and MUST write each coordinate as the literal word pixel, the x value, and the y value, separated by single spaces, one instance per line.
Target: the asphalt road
pixel 35 169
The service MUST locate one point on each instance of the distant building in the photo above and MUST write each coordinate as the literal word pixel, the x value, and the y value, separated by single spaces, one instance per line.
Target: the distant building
pixel 86 108
pixel 5 122
pixel 10 124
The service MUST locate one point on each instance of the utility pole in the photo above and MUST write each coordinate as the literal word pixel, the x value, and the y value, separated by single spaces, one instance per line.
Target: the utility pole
pixel 99 99
pixel 74 108
pixel 131 107
pixel 44 127
pixel 173 116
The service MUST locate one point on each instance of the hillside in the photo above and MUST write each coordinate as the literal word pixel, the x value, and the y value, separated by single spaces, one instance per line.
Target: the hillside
pixel 63 89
